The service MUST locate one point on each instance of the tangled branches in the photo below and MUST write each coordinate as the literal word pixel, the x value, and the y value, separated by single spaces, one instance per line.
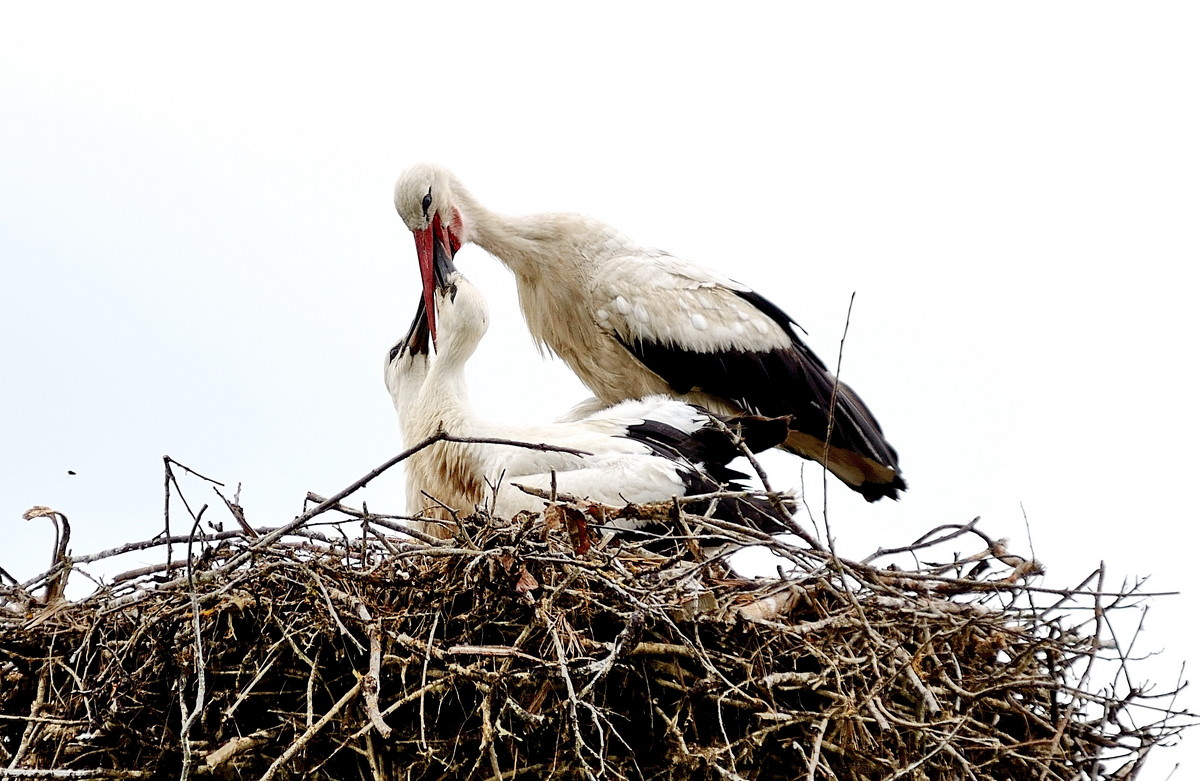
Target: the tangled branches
pixel 512 650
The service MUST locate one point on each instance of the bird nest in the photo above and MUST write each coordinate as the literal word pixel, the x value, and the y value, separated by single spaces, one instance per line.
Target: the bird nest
pixel 534 648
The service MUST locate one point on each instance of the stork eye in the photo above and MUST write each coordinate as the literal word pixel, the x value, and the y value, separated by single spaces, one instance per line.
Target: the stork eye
pixel 393 353
pixel 427 201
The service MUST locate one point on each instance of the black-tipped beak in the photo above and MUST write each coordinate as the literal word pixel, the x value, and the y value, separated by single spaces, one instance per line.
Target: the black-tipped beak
pixel 443 259
pixel 419 334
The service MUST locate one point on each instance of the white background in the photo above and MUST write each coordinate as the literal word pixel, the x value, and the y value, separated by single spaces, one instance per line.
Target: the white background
pixel 200 256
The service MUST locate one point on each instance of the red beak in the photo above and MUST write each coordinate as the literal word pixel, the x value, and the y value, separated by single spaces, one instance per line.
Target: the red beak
pixel 436 247
pixel 425 239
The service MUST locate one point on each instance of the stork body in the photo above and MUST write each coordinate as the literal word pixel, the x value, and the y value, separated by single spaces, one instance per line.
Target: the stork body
pixel 631 322
pixel 640 451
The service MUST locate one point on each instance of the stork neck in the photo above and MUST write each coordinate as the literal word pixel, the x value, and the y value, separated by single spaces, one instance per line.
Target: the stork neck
pixel 541 244
pixel 445 391
pixel 441 404
pixel 511 239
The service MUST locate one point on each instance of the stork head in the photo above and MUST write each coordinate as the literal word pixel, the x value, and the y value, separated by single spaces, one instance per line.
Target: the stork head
pixel 427 198
pixel 462 313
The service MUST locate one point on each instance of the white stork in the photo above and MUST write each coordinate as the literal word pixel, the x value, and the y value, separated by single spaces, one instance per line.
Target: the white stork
pixel 631 322
pixel 639 451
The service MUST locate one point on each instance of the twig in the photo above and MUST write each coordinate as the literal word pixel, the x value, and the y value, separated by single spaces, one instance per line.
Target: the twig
pixel 830 414
pixel 308 734
pixel 370 682
pixel 189 718
pixel 74 774
pixel 577 741
pixel 334 500
pixel 60 563
pixel 424 679
pixel 814 758
pixel 33 725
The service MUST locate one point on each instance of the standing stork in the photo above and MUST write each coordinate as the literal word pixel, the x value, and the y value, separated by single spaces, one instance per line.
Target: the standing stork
pixel 645 450
pixel 631 322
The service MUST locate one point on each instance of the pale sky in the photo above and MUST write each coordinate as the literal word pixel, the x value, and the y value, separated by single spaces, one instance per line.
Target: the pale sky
pixel 201 257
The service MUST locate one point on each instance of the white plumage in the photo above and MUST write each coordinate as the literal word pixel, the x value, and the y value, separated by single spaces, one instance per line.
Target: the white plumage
pixel 638 451
pixel 633 322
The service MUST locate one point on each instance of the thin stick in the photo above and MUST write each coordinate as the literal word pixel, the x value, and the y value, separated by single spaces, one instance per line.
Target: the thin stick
pixel 814 758
pixel 833 401
pixel 334 500
pixel 302 741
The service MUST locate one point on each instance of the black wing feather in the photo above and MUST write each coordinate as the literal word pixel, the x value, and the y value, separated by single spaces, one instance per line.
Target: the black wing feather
pixel 702 462
pixel 791 382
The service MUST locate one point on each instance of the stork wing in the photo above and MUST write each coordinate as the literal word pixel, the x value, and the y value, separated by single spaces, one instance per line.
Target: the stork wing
pixel 664 300
pixel 702 333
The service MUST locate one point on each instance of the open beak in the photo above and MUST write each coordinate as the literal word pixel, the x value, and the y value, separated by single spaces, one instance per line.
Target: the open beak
pixel 417 339
pixel 435 252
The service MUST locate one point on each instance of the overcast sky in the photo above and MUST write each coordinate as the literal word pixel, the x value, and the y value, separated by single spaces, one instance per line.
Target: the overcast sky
pixel 201 257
